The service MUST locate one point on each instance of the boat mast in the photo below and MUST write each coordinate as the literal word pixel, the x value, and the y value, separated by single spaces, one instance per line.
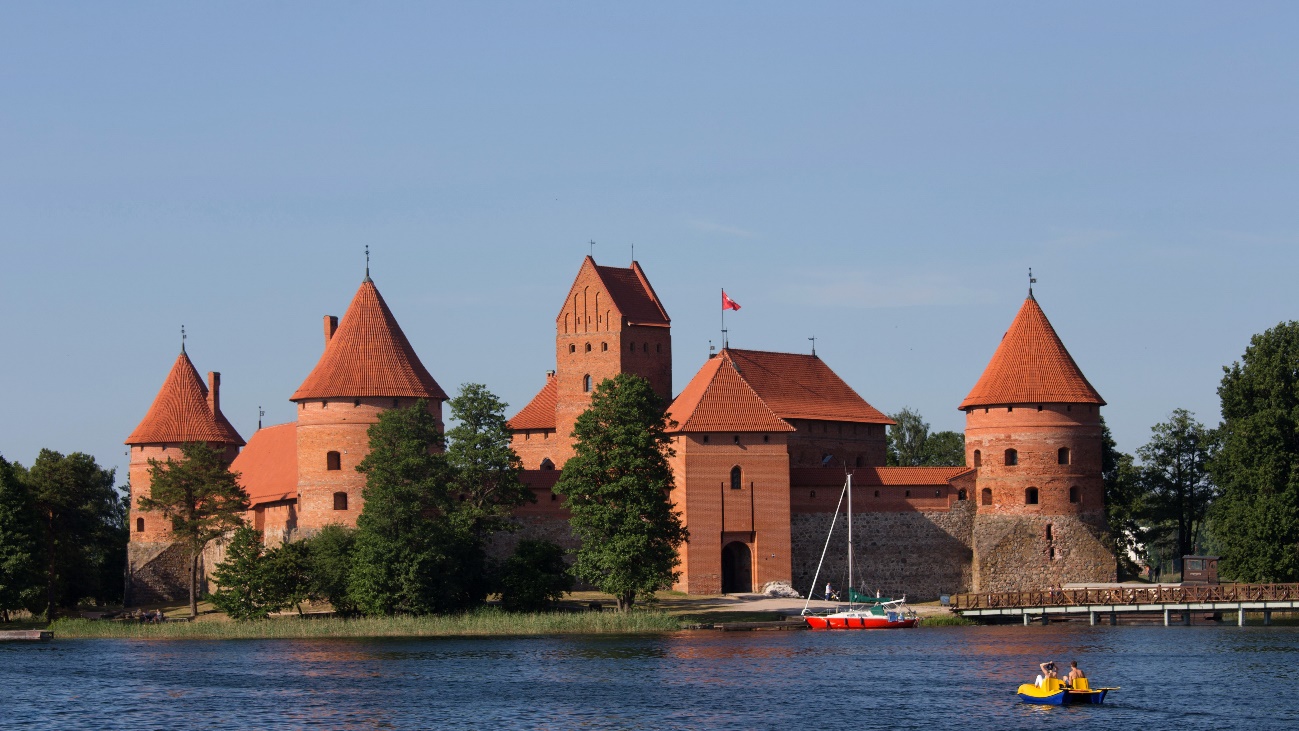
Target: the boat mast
pixel 850 575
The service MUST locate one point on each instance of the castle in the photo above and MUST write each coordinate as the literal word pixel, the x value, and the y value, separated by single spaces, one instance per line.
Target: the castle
pixel 762 442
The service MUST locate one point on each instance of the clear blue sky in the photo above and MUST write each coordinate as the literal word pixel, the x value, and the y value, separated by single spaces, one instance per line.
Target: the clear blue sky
pixel 879 176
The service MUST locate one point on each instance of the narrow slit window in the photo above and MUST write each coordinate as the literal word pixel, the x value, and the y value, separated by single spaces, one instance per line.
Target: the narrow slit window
pixel 586 383
pixel 1073 494
pixel 736 477
pixel 985 497
pixel 139 525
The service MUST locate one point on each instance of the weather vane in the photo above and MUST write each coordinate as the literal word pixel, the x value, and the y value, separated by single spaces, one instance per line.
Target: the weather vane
pixel 813 339
pixel 1031 281
pixel 182 338
pixel 260 414
pixel 592 243
pixel 367 262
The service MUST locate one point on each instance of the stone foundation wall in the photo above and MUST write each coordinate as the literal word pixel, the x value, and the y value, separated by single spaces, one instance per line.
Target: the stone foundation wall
pixel 920 554
pixel 159 573
pixel 1014 553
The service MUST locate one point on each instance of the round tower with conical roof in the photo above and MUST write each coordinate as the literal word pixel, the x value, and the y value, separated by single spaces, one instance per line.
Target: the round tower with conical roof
pixel 368 367
pixel 1033 434
pixel 184 411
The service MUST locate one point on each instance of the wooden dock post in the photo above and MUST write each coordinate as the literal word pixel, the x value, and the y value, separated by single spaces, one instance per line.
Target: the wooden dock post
pixel 1166 613
pixel 1091 618
pixel 1267 617
pixel 1240 617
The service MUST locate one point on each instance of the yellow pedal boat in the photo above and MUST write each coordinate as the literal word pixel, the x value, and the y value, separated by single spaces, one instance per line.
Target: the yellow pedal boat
pixel 1054 692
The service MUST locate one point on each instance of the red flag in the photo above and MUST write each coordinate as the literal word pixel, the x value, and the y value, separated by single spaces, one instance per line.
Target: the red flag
pixel 728 303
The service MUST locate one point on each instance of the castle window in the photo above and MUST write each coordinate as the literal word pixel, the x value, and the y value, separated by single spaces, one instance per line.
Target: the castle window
pixel 396 402
pixel 1050 552
pixel 139 525
pixel 333 461
pixel 705 439
pixel 1068 407
pixel 938 493
pixel 858 461
pixel 356 402
pixel 588 347
pixel 766 438
pixel 812 494
pixel 877 493
pixel 1073 494
pixel 978 458
pixel 737 439
pixel 735 478
pixel 644 347
pixel 960 494
pixel 1062 455
pixel 553 497
pixel 631 347
pixel 572 348
pixel 1039 407
pixel 604 347
pixel 324 404
pixel 908 494
pixel 340 501
pixel 1030 496
pixel 658 347
pixel 1012 458
pixel 1049 535
pixel 547 465
pixel 985 497
pixel 586 383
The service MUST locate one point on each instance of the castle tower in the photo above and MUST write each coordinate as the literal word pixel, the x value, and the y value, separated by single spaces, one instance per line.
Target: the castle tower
pixel 368 366
pixel 185 410
pixel 611 322
pixel 1033 434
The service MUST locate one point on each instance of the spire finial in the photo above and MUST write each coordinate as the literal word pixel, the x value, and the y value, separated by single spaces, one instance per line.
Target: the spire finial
pixel 367 262
pixel 260 414
pixel 1031 282
pixel 592 243
pixel 813 339
pixel 182 339
pixel 633 251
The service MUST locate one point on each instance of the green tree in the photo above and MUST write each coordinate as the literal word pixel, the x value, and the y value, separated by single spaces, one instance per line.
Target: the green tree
pixel 1256 519
pixel 20 558
pixel 329 564
pixel 288 576
pixel 1124 503
pixel 617 485
pixel 202 498
pixel 910 444
pixel 906 439
pixel 1176 482
pixel 241 578
pixel 534 577
pixel 485 466
pixel 81 515
pixel 411 555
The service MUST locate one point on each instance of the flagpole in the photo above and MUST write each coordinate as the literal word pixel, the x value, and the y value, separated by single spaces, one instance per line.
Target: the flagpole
pixel 723 318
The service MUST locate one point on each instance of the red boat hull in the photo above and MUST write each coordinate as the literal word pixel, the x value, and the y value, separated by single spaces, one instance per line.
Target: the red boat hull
pixel 857 623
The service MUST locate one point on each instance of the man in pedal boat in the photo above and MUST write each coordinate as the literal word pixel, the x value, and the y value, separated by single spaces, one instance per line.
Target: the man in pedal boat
pixel 1074 673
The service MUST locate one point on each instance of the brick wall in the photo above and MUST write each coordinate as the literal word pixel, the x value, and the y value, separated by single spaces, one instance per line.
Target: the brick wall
pixel 856 445
pixel 535 445
pixel 337 425
pixel 1018 552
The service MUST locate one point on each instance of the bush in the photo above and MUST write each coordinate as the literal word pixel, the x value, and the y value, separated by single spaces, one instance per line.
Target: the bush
pixel 535 577
pixel 241 578
pixel 329 561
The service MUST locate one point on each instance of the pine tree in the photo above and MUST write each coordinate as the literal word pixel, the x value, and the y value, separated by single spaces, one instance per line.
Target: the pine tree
pixel 617 485
pixel 329 563
pixel 203 499
pixel 241 578
pixel 19 545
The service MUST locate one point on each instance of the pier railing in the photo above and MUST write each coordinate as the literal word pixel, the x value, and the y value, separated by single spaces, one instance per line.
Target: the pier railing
pixel 1128 596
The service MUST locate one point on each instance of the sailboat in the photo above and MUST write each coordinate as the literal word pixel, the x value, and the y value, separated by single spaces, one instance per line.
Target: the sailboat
pixel 863 612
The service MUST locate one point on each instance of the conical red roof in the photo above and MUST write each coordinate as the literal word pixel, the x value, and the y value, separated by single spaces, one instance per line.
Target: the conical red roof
pixel 1031 366
pixel 719 399
pixel 368 356
pixel 180 412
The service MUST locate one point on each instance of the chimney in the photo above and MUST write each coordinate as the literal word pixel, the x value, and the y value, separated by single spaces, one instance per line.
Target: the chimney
pixel 331 324
pixel 214 392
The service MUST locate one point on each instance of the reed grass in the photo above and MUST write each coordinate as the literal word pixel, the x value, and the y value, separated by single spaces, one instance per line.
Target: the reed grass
pixel 946 620
pixel 481 623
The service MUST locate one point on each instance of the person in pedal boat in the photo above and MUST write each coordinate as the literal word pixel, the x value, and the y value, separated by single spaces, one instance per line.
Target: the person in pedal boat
pixel 1048 671
pixel 1074 673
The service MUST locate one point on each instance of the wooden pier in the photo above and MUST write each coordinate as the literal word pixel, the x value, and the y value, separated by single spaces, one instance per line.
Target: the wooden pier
pixel 31 635
pixel 1147 601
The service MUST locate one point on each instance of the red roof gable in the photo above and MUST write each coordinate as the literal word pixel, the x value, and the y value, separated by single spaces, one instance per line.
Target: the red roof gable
pixel 268 466
pixel 181 413
pixel 875 476
pixel 1031 365
pixel 540 411
pixel 802 387
pixel 368 356
pixel 629 290
pixel 718 399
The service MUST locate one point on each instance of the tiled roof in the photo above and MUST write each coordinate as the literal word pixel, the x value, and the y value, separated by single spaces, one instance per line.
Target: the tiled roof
pixel 875 476
pixel 540 411
pixel 268 466
pixel 803 387
pixel 632 294
pixel 1031 365
pixel 368 356
pixel 718 399
pixel 180 412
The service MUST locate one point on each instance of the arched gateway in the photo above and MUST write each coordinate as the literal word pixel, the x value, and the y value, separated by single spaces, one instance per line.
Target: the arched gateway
pixel 737 568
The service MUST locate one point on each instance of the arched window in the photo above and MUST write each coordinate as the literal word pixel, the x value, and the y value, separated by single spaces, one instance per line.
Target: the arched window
pixel 978 458
pixel 736 478
pixel 736 440
pixel 586 383
pixel 1012 458
pixel 604 347
pixel 333 461
pixel 356 402
pixel 857 462
pixel 1049 534
pixel 1062 455
pixel 588 347
pixel 1073 494
pixel 985 497
pixel 340 501
pixel 631 347
pixel 139 525
pixel 572 348
pixel 1030 496
pixel 546 464
pixel 658 347
pixel 877 493
pixel 960 494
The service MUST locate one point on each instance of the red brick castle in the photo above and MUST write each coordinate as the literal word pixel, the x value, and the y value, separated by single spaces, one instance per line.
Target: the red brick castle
pixel 762 443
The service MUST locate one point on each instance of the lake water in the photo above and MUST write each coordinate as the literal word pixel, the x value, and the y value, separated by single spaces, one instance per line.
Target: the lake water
pixel 1172 678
